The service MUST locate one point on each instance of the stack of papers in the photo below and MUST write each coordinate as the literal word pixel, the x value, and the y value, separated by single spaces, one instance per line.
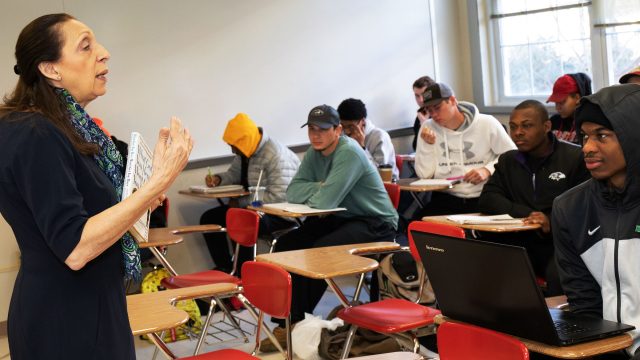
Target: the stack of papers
pixel 215 190
pixel 434 182
pixel 300 208
pixel 503 219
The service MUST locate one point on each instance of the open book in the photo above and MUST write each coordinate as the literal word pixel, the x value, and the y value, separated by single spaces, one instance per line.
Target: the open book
pixel 503 219
pixel 138 171
pixel 300 208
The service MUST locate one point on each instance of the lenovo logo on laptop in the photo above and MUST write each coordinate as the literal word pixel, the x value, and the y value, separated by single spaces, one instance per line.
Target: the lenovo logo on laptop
pixel 440 250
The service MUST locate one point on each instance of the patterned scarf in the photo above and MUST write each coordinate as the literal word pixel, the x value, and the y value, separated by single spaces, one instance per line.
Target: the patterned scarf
pixel 110 162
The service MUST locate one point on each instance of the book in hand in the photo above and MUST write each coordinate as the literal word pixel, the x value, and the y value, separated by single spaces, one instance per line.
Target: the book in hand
pixel 138 171
pixel 504 219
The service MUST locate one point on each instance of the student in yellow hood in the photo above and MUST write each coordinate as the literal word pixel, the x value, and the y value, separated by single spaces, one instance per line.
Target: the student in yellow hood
pixel 255 152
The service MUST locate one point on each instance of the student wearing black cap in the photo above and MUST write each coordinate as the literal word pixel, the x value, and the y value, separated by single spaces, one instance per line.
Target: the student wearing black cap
pixel 334 173
pixel 596 225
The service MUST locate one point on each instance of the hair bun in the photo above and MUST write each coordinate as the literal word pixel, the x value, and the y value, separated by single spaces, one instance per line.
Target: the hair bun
pixel 16 69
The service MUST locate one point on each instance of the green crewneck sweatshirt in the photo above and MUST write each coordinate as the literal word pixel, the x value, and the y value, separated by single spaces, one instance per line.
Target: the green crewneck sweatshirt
pixel 346 179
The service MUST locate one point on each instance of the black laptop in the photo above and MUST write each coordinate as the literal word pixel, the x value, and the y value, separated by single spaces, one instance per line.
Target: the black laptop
pixel 493 286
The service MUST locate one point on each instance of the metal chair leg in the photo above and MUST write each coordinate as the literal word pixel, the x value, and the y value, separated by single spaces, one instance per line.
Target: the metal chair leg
pixel 203 332
pixel 348 342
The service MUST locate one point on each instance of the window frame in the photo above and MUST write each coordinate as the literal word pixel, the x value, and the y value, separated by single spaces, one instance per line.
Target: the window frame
pixel 486 63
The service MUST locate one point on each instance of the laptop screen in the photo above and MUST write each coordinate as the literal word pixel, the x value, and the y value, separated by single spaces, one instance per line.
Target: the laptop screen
pixel 486 284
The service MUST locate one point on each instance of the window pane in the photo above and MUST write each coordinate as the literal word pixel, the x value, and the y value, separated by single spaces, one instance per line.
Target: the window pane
pixel 536 49
pixel 623 43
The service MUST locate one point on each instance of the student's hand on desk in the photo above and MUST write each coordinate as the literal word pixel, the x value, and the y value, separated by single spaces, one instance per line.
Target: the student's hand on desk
pixel 537 217
pixel 476 176
pixel 428 135
pixel 212 180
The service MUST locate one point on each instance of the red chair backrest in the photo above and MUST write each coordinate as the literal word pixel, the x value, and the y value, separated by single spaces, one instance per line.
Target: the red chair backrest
pixel 394 193
pixel 399 164
pixel 268 287
pixel 433 228
pixel 243 226
pixel 462 341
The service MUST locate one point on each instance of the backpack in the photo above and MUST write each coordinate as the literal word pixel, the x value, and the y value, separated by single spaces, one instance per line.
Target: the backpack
pixel 151 283
pixel 398 276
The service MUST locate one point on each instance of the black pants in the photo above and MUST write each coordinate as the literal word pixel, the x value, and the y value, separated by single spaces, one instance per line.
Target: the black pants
pixel 218 244
pixel 326 231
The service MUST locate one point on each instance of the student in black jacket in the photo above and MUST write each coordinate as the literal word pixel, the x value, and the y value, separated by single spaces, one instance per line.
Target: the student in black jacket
pixel 527 180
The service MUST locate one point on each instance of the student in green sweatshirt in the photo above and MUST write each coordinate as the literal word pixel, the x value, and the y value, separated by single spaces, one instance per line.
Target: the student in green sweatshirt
pixel 335 172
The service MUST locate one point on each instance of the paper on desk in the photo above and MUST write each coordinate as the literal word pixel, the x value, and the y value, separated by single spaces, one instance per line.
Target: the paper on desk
pixel 300 208
pixel 432 182
pixel 503 219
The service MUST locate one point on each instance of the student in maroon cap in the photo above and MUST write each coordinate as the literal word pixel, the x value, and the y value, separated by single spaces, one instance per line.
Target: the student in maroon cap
pixel 567 91
pixel 632 77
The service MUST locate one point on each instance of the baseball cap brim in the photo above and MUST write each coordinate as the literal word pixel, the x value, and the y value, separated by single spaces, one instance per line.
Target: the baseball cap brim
pixel 625 78
pixel 557 97
pixel 320 124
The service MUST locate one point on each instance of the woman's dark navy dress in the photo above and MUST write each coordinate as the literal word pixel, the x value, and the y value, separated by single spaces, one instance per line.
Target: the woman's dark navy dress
pixel 48 191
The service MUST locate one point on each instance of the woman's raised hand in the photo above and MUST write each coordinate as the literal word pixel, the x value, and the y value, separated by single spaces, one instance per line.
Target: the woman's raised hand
pixel 171 153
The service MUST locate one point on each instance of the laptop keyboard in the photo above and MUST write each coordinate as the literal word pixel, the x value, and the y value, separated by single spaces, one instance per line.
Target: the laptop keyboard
pixel 567 329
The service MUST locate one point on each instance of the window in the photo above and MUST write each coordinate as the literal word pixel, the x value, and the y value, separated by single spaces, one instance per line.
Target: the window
pixel 523 46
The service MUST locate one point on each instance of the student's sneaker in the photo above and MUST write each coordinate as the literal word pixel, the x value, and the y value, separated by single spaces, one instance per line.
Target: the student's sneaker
pixel 281 335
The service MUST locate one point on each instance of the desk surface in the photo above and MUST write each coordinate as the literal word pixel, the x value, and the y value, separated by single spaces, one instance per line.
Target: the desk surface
pixel 405 184
pixel 282 213
pixel 578 351
pixel 231 194
pixel 172 236
pixel 331 261
pixel 442 219
pixel 153 312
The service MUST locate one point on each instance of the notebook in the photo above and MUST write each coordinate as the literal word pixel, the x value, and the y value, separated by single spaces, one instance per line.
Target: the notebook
pixel 215 190
pixel 493 286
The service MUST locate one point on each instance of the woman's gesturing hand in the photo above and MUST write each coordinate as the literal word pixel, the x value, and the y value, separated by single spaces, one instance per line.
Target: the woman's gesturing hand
pixel 171 153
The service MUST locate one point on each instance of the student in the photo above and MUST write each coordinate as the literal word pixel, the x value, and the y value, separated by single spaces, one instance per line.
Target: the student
pixel 567 91
pixel 632 77
pixel 335 172
pixel 457 141
pixel 596 224
pixel 256 153
pixel 527 180
pixel 419 86
pixel 375 141
pixel 61 179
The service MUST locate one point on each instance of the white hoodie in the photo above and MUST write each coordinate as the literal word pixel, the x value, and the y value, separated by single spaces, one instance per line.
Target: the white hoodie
pixel 454 153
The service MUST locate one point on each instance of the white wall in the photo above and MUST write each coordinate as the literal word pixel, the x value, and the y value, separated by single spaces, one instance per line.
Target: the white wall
pixel 192 254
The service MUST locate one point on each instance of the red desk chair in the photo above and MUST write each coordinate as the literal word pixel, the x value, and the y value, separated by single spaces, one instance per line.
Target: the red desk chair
pixel 458 341
pixel 399 164
pixel 242 228
pixel 391 316
pixel 394 193
pixel 268 288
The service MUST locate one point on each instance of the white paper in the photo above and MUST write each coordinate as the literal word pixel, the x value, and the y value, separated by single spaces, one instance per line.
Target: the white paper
pixel 432 182
pixel 503 219
pixel 299 208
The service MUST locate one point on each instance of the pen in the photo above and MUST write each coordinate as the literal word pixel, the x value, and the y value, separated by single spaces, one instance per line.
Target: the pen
pixel 455 178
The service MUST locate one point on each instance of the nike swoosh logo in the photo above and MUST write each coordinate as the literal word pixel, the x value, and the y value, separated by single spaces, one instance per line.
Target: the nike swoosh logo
pixel 591 232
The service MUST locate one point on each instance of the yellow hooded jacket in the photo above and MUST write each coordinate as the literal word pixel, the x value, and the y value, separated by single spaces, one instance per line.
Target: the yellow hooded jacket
pixel 242 133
